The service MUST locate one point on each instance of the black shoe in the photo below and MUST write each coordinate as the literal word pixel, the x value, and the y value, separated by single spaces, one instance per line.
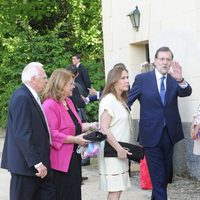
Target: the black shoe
pixel 85 162
pixel 84 178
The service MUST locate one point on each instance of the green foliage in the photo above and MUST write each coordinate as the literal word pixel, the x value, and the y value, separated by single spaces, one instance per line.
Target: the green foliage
pixel 98 82
pixel 49 32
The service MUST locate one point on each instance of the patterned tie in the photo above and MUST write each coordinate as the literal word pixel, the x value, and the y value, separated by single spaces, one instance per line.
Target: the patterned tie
pixel 39 102
pixel 162 89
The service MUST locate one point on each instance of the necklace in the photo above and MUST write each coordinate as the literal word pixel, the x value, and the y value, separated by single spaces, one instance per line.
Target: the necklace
pixel 65 104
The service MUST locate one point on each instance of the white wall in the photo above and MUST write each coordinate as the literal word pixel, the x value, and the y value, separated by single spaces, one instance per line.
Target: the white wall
pixel 173 23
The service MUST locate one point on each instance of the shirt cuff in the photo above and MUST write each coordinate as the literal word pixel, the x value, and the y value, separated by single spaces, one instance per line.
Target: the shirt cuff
pixel 183 85
pixel 98 95
pixel 87 100
pixel 37 165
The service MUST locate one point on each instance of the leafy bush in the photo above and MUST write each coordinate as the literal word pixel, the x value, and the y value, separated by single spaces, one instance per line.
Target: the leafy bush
pixel 49 32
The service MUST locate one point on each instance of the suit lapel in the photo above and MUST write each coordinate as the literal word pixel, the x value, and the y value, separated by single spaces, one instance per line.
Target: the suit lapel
pixel 155 87
pixel 169 85
pixel 38 108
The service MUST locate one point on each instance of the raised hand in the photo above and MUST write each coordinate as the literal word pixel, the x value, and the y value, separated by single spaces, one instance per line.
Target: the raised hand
pixel 176 71
pixel 122 153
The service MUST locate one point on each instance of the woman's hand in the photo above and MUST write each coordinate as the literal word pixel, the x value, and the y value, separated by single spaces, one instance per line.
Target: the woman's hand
pixel 94 126
pixel 195 129
pixel 80 140
pixel 122 153
pixel 90 126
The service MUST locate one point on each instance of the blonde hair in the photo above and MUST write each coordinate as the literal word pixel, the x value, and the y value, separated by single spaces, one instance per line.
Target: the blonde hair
pixel 113 76
pixel 54 88
pixel 146 67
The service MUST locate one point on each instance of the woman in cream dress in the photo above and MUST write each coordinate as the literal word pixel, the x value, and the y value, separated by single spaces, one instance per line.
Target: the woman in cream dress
pixel 115 122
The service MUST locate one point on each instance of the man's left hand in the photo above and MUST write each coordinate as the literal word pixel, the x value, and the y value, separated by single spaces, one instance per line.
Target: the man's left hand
pixel 176 71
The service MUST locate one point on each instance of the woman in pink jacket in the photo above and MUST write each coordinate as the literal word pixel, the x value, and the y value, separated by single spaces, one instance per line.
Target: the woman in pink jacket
pixel 66 134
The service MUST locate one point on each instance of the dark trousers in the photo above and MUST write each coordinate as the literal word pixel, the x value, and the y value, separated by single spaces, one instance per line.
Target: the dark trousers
pixel 68 185
pixel 31 188
pixel 159 160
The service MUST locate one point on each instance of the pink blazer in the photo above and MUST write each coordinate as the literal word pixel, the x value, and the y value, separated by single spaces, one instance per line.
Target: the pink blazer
pixel 61 126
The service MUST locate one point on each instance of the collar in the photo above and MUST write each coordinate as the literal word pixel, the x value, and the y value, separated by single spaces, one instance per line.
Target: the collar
pixel 159 75
pixel 33 92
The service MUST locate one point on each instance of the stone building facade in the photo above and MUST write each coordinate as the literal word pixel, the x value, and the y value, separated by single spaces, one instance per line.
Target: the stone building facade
pixel 172 23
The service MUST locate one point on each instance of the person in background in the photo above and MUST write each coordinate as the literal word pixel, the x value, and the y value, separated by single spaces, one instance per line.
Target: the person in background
pixel 195 131
pixel 146 67
pixel 115 122
pixel 66 131
pixel 83 78
pixel 160 124
pixel 145 180
pixel 80 101
pixel 26 149
pixel 77 93
pixel 94 95
pixel 77 96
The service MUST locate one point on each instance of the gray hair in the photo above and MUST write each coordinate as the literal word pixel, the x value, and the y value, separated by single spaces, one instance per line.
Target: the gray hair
pixel 30 71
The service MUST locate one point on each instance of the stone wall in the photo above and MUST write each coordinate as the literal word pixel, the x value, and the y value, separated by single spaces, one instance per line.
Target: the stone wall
pixel 185 163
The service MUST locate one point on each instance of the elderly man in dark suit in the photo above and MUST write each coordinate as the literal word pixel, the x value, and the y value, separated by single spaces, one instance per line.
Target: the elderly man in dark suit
pixel 27 142
pixel 160 123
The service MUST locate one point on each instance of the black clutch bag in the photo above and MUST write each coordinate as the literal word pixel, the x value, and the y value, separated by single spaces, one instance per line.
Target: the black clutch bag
pixel 136 150
pixel 95 136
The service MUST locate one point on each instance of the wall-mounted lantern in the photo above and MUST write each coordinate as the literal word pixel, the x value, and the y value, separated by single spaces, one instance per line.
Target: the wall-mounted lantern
pixel 135 18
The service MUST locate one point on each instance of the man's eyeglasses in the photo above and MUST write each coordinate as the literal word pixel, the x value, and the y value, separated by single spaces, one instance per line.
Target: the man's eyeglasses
pixel 164 59
pixel 43 77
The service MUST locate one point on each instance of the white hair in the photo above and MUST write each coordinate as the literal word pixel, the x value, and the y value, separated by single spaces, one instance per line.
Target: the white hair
pixel 30 71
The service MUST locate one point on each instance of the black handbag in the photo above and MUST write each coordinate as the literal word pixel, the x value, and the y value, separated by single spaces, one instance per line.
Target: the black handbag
pixel 95 136
pixel 136 150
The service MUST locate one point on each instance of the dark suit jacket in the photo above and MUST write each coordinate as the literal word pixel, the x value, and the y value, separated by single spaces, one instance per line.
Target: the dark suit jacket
pixel 94 97
pixel 77 99
pixel 27 138
pixel 153 113
pixel 83 79
pixel 76 96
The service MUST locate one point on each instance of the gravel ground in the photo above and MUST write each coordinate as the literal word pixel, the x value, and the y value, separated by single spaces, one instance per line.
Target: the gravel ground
pixel 182 188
